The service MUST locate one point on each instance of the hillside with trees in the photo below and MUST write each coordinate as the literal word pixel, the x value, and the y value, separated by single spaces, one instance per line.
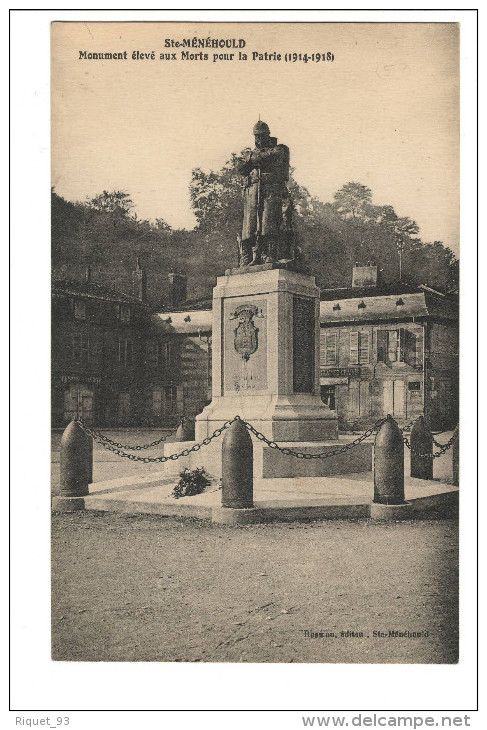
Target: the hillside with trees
pixel 106 234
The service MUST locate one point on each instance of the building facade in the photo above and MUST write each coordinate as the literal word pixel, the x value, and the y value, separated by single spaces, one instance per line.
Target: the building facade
pixel 178 364
pixel 116 363
pixel 384 349
pixel 389 350
pixel 98 340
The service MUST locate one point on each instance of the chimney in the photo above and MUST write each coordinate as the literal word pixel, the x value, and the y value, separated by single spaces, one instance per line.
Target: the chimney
pixel 88 275
pixel 368 275
pixel 139 282
pixel 177 289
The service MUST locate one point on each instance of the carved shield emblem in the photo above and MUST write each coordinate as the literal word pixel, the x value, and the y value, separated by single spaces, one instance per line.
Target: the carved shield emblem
pixel 246 334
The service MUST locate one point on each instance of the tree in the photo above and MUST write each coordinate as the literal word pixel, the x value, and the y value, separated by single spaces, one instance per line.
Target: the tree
pixel 353 200
pixel 104 233
pixel 216 198
pixel 116 202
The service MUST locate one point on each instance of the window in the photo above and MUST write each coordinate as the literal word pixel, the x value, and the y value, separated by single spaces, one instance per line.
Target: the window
pixel 328 348
pixel 125 352
pixel 399 345
pixel 165 401
pixel 170 399
pixel 328 396
pixel 79 309
pixel 410 350
pixel 124 314
pixel 81 348
pixel 393 342
pixel 163 352
pixel 359 348
pixel 158 351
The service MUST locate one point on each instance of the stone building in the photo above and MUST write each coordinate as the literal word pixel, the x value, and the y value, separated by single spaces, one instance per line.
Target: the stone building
pixel 389 349
pixel 98 342
pixel 178 376
pixel 384 349
pixel 116 363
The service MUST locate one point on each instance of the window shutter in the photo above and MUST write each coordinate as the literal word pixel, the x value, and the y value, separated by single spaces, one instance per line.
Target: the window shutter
pixel 364 348
pixel 331 348
pixel 354 348
pixel 381 345
pixel 401 348
pixel 410 356
pixel 323 347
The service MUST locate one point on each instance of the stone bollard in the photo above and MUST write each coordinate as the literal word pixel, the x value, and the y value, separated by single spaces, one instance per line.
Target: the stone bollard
pixel 389 464
pixel 76 462
pixel 185 430
pixel 421 441
pixel 456 460
pixel 237 467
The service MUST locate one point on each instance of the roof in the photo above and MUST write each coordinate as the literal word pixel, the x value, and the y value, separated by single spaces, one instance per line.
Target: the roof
pixel 92 290
pixel 389 302
pixel 369 291
pixel 398 306
pixel 188 322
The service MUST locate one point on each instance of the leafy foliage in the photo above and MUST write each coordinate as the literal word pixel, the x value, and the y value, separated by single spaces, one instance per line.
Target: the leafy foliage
pixel 105 233
pixel 191 482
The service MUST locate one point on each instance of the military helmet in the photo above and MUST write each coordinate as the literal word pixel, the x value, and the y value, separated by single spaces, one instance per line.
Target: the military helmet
pixel 261 128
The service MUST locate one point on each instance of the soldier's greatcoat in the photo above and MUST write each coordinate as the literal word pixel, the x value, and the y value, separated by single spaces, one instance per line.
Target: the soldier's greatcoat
pixel 266 196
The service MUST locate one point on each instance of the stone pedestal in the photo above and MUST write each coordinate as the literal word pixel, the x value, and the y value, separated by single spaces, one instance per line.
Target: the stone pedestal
pixel 266 356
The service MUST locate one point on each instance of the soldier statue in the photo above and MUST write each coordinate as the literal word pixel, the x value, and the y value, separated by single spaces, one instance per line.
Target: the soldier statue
pixel 267 231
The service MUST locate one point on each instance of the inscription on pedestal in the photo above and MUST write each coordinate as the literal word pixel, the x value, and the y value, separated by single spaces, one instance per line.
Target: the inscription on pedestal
pixel 303 344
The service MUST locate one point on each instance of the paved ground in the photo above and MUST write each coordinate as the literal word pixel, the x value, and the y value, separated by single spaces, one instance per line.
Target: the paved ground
pixel 160 589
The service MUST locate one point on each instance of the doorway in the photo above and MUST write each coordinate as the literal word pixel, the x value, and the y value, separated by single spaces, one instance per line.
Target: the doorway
pixel 78 402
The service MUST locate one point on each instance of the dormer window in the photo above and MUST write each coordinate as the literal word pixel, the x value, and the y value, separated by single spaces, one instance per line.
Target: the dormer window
pixel 336 307
pixel 361 305
pixel 187 318
pixel 79 309
pixel 399 302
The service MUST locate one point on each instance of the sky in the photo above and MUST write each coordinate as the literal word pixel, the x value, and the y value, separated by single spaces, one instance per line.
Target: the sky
pixel 383 113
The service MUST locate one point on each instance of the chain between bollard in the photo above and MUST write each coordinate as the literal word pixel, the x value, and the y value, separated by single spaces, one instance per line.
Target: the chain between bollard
pixel 437 443
pixel 409 426
pixel 99 437
pixel 443 448
pixel 118 449
pixel 448 443
pixel 152 459
pixel 322 454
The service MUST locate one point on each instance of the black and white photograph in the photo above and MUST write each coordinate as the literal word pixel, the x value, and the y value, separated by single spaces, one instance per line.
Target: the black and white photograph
pixel 255 347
